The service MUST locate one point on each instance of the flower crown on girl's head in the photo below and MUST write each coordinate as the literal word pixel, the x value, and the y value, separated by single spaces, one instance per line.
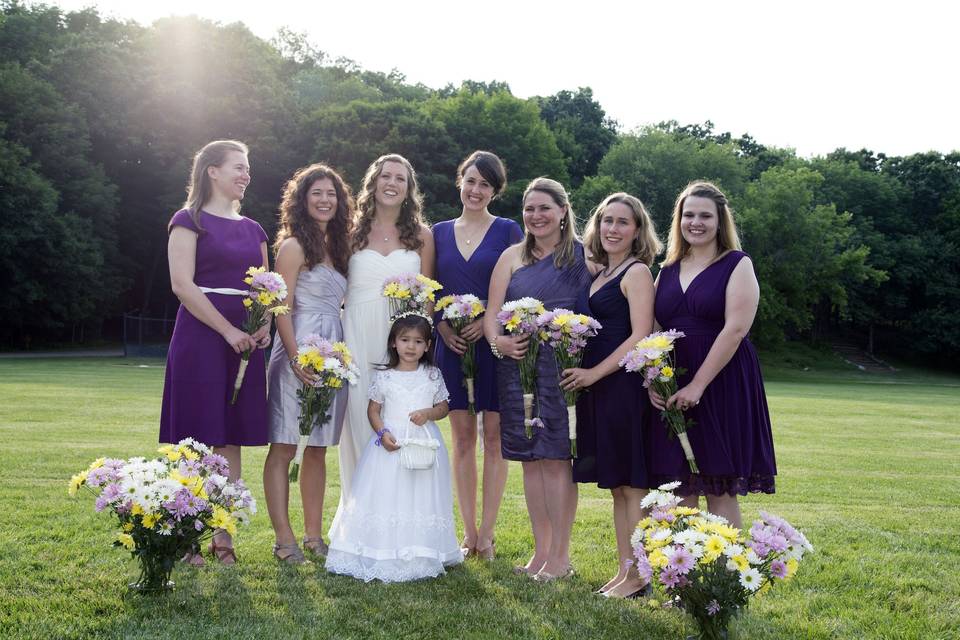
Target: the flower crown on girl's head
pixel 411 312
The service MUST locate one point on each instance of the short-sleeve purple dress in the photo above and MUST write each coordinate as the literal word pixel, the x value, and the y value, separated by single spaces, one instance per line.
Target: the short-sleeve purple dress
pixel 201 366
pixel 555 288
pixel 732 439
pixel 459 276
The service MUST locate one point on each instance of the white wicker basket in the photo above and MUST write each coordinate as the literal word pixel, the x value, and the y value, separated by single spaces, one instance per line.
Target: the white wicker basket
pixel 418 453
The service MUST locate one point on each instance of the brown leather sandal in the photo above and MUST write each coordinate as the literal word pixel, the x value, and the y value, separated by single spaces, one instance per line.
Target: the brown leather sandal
pixel 316 546
pixel 224 554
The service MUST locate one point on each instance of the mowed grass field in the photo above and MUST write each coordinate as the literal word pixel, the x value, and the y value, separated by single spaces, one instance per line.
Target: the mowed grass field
pixel 869 469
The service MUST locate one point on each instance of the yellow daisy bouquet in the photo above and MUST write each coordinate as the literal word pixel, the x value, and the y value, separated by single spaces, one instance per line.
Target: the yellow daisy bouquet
pixel 267 291
pixel 708 567
pixel 460 311
pixel 409 292
pixel 166 506
pixel 519 317
pixel 332 364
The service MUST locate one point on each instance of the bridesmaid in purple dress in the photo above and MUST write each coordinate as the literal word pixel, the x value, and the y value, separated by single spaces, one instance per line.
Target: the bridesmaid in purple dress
pixel 210 248
pixel 547 265
pixel 707 288
pixel 613 411
pixel 467 250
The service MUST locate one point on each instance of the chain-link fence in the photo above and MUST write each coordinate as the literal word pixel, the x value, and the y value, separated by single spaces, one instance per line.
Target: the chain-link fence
pixel 146 337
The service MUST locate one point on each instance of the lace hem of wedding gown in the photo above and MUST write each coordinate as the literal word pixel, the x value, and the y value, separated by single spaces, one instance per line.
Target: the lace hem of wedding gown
pixel 397 570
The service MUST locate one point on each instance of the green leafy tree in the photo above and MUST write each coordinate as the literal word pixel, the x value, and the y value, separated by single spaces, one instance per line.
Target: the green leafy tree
pixel 583 131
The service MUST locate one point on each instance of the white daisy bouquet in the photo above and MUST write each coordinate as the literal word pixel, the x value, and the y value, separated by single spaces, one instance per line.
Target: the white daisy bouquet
pixel 519 317
pixel 652 358
pixel 409 292
pixel 333 365
pixel 567 332
pixel 709 567
pixel 166 505
pixel 267 291
pixel 460 311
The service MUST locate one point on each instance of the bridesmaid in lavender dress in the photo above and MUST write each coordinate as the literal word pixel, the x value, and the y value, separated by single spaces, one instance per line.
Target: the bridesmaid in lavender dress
pixel 548 265
pixel 708 289
pixel 313 249
pixel 467 250
pixel 210 248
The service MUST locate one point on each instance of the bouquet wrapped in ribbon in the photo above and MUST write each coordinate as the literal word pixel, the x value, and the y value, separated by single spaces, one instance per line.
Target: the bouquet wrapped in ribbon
pixel 460 311
pixel 567 332
pixel 167 505
pixel 519 317
pixel 409 292
pixel 711 568
pixel 652 358
pixel 332 365
pixel 267 291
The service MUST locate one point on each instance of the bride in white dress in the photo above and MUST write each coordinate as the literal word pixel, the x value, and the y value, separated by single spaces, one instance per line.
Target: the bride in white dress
pixel 390 239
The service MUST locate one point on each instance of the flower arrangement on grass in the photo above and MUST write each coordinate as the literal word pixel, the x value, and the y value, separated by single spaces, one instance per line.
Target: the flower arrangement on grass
pixel 332 364
pixel 567 332
pixel 166 506
pixel 709 567
pixel 652 358
pixel 267 291
pixel 459 311
pixel 409 292
pixel 519 317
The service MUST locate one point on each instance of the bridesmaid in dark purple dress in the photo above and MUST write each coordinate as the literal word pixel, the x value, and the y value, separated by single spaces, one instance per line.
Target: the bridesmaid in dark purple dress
pixel 547 265
pixel 467 250
pixel 613 410
pixel 708 289
pixel 210 248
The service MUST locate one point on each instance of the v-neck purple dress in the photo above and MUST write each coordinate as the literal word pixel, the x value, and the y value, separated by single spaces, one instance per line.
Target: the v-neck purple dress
pixel 201 366
pixel 732 438
pixel 459 276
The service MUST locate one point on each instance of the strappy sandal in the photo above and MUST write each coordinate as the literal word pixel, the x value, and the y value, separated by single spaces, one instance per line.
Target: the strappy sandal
pixel 487 553
pixel 467 550
pixel 544 577
pixel 316 546
pixel 224 554
pixel 292 556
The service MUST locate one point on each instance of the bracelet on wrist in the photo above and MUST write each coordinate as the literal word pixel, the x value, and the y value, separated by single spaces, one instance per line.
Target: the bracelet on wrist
pixel 494 349
pixel 380 435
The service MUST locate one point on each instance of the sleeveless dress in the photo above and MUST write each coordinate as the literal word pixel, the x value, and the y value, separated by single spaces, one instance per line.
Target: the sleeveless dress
pixel 317 300
pixel 459 276
pixel 201 366
pixel 397 524
pixel 732 439
pixel 612 413
pixel 366 325
pixel 555 288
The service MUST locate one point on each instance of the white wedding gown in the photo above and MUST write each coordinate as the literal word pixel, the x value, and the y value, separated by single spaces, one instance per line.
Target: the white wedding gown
pixel 397 524
pixel 366 324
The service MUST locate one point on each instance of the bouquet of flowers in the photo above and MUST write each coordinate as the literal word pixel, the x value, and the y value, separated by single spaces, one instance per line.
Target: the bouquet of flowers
pixel 706 565
pixel 333 365
pixel 567 333
pixel 460 311
pixel 167 505
pixel 519 317
pixel 652 358
pixel 409 292
pixel 267 291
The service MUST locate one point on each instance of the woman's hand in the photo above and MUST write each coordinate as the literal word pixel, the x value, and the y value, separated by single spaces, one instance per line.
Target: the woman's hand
pixel 419 417
pixel 262 336
pixel 512 346
pixel 577 378
pixel 302 374
pixel 389 442
pixel 686 397
pixel 656 399
pixel 238 340
pixel 473 331
pixel 450 338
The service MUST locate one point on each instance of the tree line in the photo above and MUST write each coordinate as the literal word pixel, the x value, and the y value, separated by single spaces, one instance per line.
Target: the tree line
pixel 99 120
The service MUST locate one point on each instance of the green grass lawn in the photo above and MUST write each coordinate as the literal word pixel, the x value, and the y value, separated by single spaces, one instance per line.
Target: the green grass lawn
pixel 869 470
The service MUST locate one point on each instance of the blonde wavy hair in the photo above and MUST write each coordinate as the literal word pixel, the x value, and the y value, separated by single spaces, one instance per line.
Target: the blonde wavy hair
pixel 563 255
pixel 645 246
pixel 727 238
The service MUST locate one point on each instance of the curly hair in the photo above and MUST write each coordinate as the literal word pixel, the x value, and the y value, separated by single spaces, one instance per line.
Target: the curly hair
pixel 411 218
pixel 295 221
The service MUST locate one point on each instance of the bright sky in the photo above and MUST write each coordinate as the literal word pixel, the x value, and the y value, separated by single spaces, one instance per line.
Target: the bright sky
pixel 813 75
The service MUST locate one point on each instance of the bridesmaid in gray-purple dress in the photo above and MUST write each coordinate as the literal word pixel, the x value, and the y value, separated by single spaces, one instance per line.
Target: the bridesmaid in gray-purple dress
pixel 548 265
pixel 708 289
pixel 210 248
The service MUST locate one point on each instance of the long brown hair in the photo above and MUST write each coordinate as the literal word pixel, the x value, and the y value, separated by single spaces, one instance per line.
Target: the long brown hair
pixel 563 255
pixel 645 245
pixel 199 190
pixel 727 238
pixel 410 220
pixel 295 220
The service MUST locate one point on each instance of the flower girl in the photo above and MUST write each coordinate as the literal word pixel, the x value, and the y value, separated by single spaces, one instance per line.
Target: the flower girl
pixel 397 524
